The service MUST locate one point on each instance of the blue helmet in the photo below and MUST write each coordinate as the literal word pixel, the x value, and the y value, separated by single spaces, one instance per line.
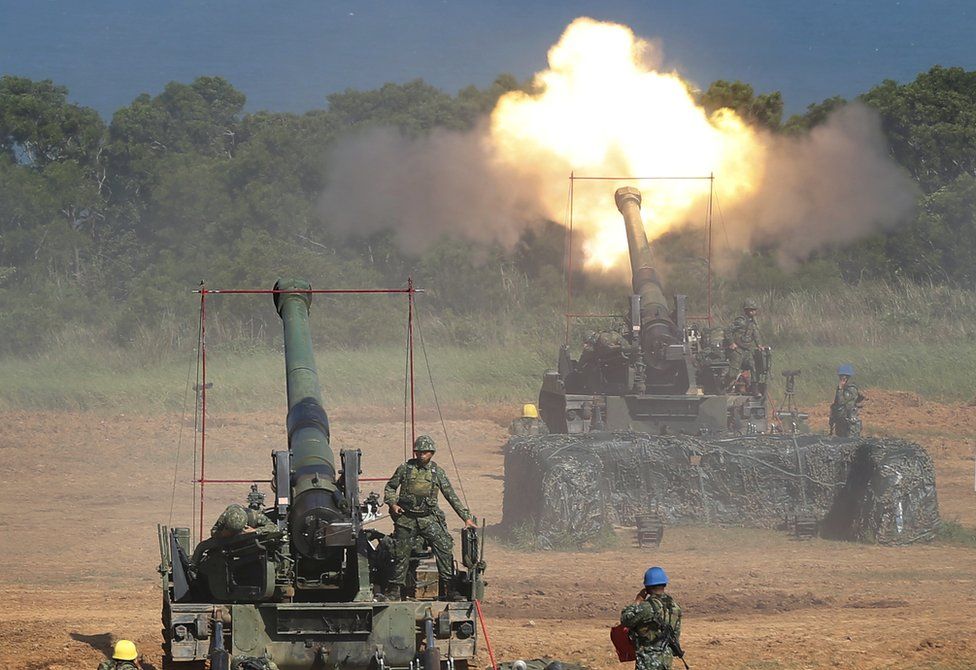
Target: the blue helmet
pixel 846 369
pixel 655 577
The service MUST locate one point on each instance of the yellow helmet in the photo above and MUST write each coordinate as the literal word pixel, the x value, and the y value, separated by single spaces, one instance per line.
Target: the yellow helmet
pixel 125 650
pixel 529 411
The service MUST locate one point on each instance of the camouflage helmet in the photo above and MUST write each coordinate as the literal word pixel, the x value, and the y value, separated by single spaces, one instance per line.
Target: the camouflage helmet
pixel 255 499
pixel 749 303
pixel 424 443
pixel 234 519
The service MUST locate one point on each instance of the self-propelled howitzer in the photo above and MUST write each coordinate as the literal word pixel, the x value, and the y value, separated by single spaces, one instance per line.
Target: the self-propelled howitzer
pixel 294 584
pixel 659 374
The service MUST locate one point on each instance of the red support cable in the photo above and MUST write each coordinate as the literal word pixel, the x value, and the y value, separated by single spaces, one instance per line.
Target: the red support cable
pixel 708 256
pixel 413 425
pixel 258 291
pixel 573 177
pixel 484 629
pixel 202 480
pixel 235 481
pixel 203 403
pixel 268 481
pixel 569 255
pixel 686 178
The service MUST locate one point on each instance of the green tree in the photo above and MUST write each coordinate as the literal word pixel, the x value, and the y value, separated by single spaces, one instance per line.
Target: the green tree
pixel 415 107
pixel 764 110
pixel 816 114
pixel 930 124
pixel 38 126
pixel 201 117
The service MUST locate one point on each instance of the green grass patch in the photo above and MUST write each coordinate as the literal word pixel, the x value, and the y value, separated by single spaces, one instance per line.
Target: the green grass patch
pixel 114 380
pixel 941 371
pixel 953 532
pixel 100 378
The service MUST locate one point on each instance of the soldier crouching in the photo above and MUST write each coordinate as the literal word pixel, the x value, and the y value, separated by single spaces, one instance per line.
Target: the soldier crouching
pixel 238 519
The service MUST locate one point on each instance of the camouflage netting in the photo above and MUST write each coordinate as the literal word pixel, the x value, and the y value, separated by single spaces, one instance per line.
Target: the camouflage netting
pixel 874 490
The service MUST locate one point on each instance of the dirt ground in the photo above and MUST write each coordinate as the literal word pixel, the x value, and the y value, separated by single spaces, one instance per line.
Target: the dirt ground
pixel 83 494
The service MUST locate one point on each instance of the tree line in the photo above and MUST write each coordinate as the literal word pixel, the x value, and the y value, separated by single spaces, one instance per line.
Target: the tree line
pixel 102 221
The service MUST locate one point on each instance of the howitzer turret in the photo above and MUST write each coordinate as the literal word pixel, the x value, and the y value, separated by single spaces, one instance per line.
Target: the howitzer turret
pixel 294 584
pixel 657 374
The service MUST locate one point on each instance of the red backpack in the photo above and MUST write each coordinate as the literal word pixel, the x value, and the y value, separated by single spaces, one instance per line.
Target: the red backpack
pixel 620 637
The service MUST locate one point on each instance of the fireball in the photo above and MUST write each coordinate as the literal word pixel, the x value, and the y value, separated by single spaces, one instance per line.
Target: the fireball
pixel 603 109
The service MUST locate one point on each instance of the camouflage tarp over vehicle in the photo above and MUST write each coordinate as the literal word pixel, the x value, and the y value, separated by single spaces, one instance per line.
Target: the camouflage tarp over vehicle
pixel 574 486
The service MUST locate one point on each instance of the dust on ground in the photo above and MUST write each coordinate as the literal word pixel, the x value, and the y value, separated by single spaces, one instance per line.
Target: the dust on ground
pixel 83 494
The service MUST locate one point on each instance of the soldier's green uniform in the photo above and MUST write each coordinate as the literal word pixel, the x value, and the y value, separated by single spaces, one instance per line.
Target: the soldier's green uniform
pixel 745 334
pixel 646 621
pixel 253 663
pixel 527 425
pixel 113 664
pixel 414 488
pixel 844 421
pixel 236 518
pixel 604 347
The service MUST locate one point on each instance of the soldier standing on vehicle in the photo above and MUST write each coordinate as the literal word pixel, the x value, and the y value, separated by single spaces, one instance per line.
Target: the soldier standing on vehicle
pixel 844 419
pixel 411 495
pixel 529 423
pixel 654 622
pixel 745 339
pixel 124 657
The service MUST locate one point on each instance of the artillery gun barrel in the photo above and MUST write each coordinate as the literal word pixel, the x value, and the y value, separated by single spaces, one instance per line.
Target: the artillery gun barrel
pixel 314 503
pixel 645 279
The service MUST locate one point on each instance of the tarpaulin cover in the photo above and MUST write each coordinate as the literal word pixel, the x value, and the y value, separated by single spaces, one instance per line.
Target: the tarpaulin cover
pixel 575 486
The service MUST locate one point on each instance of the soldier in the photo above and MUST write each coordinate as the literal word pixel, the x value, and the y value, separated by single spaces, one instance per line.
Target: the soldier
pixel 252 663
pixel 124 657
pixel 745 339
pixel 238 519
pixel 415 512
pixel 529 423
pixel 654 622
pixel 844 421
pixel 588 352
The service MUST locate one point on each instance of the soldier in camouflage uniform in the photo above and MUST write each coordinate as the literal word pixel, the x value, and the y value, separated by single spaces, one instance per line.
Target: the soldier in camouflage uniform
pixel 238 519
pixel 252 663
pixel 654 622
pixel 124 657
pixel 415 513
pixel 844 419
pixel 745 339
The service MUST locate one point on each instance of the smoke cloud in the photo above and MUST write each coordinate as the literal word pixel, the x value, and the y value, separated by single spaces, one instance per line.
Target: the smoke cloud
pixel 603 109
pixel 423 188
pixel 833 186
